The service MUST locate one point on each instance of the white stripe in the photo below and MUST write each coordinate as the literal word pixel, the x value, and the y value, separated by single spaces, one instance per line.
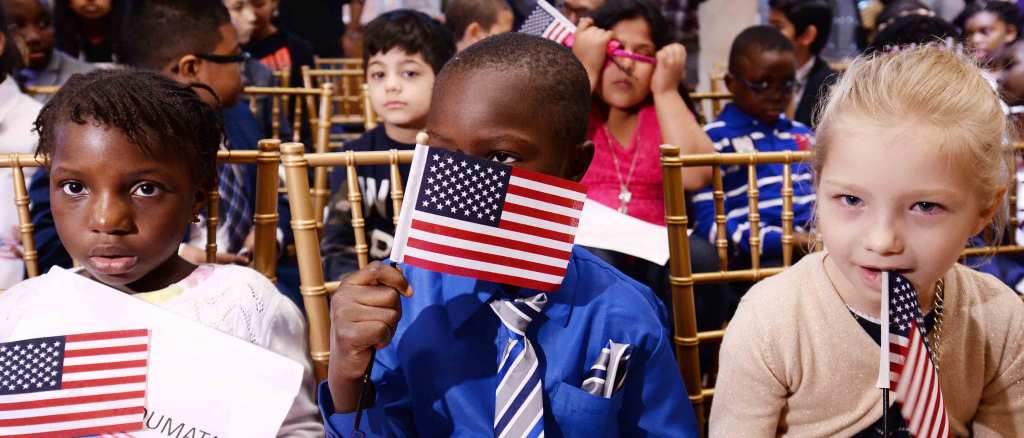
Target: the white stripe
pixel 547 188
pixel 483 266
pixel 67 425
pixel 84 407
pixel 492 231
pixel 490 249
pixel 140 340
pixel 777 202
pixel 536 222
pixel 526 401
pixel 761 182
pixel 899 340
pixel 519 386
pixel 104 374
pixel 544 206
pixel 713 125
pixel 76 392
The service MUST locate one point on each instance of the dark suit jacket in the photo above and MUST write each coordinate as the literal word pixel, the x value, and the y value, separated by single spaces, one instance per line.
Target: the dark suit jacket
pixel 819 80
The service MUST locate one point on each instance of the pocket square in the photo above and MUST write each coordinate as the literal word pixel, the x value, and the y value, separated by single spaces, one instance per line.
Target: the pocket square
pixel 608 373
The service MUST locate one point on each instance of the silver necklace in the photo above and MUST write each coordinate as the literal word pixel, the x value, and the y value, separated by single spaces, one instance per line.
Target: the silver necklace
pixel 624 194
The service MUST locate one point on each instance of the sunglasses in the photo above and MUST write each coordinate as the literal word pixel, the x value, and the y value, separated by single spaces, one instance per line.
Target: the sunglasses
pixel 765 86
pixel 224 59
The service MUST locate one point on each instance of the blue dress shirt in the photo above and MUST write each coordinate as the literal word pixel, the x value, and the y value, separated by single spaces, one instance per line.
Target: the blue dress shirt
pixel 438 375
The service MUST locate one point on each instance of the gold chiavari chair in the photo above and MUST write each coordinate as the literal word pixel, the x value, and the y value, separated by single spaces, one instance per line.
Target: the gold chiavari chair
pixel 715 100
pixel 307 241
pixel 17 163
pixel 284 98
pixel 267 159
pixel 681 277
pixel 337 63
pixel 42 90
pixel 351 100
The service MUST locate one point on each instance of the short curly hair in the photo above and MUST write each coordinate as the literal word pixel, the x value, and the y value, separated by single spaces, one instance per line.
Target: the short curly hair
pixel 161 116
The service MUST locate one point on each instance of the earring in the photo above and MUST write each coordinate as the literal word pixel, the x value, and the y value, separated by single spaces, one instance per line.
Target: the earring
pixel 195 219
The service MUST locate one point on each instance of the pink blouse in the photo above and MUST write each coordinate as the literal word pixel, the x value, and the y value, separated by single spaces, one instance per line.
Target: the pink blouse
pixel 647 202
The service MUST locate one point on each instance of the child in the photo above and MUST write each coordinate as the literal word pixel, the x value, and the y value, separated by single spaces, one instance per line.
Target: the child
pixel 435 372
pixel 276 48
pixel 807 25
pixel 17 111
pixel 910 164
pixel 761 77
pixel 88 29
pixel 32 22
pixel 637 109
pixel 403 51
pixel 131 154
pixel 989 26
pixel 473 20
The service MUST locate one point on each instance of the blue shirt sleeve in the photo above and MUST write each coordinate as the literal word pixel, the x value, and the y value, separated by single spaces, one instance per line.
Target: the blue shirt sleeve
pixel 342 425
pixel 391 413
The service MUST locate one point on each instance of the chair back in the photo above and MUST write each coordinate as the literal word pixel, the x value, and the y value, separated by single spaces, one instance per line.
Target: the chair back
pixel 307 240
pixel 337 63
pixel 18 162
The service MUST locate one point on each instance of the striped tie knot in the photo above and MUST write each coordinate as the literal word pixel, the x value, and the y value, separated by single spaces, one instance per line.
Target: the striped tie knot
pixel 517 314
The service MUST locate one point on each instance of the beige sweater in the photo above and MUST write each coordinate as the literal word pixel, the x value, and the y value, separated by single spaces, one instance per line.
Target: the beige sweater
pixel 794 362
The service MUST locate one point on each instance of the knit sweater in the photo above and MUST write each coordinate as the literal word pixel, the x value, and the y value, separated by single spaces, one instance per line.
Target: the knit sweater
pixel 794 362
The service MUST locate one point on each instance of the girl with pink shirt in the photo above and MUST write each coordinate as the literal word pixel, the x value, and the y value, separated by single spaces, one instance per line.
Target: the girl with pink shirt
pixel 637 108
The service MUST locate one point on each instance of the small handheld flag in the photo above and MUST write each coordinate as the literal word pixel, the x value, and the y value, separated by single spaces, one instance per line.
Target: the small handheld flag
pixel 74 385
pixel 547 22
pixel 486 220
pixel 909 370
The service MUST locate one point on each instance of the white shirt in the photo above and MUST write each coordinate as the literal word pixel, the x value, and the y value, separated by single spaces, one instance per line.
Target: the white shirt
pixel 801 81
pixel 18 112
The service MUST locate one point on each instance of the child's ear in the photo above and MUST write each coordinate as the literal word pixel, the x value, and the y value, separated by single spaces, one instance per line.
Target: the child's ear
pixel 198 202
pixel 730 83
pixel 1011 34
pixel 580 160
pixel 474 32
pixel 807 38
pixel 186 69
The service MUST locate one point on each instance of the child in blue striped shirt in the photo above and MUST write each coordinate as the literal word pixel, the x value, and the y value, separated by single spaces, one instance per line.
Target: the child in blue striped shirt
pixel 762 76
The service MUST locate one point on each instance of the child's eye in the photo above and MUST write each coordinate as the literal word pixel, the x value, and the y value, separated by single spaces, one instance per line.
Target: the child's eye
pixel 504 158
pixel 146 190
pixel 410 74
pixel 849 200
pixel 377 75
pixel 927 207
pixel 73 188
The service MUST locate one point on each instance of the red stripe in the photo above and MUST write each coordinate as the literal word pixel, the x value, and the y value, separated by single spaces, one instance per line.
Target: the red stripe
pixel 485 257
pixel 545 197
pixel 540 214
pixel 58 418
pixel 106 350
pixel 102 382
pixel 549 180
pixel 72 400
pixel 506 224
pixel 83 432
pixel 106 335
pixel 104 366
pixel 482 275
pixel 936 408
pixel 488 239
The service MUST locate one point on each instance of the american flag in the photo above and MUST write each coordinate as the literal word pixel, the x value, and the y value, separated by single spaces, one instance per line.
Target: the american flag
pixel 545 21
pixel 911 373
pixel 74 385
pixel 478 218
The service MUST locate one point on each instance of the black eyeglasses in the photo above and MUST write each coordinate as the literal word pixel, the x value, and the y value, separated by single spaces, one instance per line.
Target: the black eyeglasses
pixel 225 59
pixel 764 86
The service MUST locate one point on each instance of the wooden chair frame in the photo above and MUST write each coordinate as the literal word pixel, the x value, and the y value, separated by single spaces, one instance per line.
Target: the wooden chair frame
pixel 307 240
pixel 351 103
pixel 17 162
pixel 337 63
pixel 283 98
pixel 681 277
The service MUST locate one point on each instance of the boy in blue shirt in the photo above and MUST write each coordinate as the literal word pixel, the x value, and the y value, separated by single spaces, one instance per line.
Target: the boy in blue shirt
pixel 762 72
pixel 438 336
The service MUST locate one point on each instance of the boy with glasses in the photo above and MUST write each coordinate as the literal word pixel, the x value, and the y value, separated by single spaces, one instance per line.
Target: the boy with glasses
pixel 761 78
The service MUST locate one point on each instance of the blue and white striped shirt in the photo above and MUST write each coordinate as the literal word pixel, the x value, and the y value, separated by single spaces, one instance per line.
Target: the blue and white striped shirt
pixel 735 131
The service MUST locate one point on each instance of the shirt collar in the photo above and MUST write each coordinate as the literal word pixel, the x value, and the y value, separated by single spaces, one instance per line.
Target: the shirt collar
pixel 805 70
pixel 480 293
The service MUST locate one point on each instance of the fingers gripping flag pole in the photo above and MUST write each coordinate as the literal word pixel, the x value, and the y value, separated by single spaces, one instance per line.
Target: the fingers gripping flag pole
pixel 477 218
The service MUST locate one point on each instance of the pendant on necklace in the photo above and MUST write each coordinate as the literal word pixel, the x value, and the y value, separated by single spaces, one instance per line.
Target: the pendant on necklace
pixel 624 197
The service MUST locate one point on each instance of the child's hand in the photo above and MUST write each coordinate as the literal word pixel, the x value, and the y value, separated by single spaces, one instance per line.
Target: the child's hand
pixel 670 69
pixel 590 46
pixel 364 314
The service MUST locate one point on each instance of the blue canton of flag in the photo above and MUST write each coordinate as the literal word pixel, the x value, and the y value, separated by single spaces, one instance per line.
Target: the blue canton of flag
pixel 455 188
pixel 31 366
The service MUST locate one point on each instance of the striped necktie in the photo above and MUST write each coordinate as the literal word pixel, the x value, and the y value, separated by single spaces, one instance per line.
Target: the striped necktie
pixel 519 398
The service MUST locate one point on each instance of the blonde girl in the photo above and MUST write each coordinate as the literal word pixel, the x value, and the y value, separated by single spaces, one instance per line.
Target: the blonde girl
pixel 910 164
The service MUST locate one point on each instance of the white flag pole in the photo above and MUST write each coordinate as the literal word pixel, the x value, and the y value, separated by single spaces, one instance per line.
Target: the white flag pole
pixel 883 341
